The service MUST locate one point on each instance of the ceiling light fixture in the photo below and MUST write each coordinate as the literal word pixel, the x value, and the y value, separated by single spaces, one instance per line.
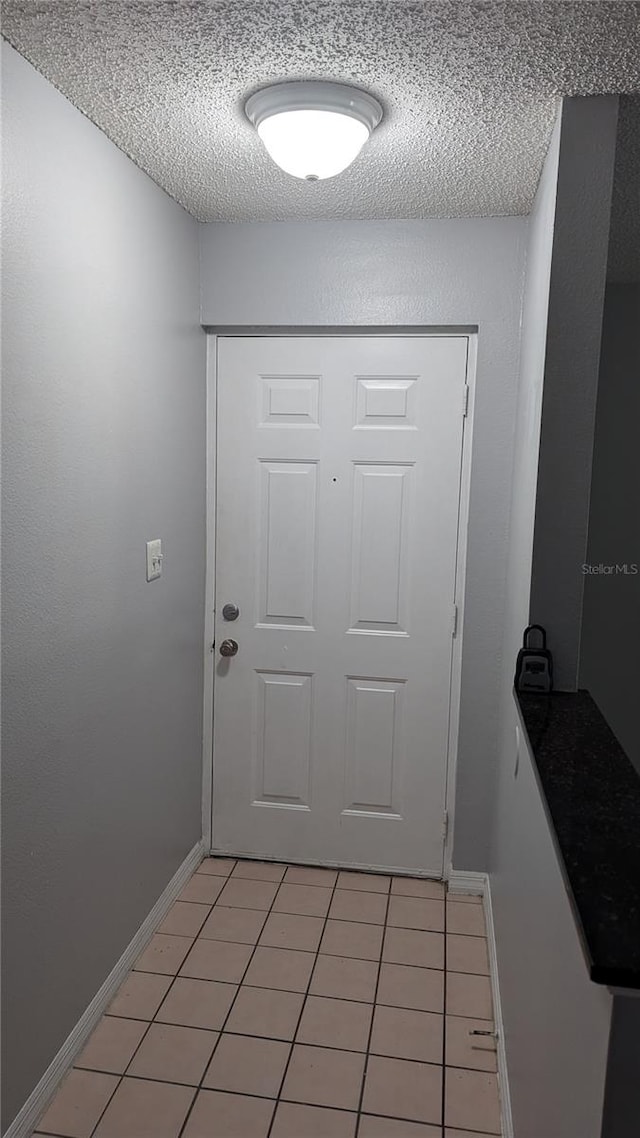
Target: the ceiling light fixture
pixel 313 130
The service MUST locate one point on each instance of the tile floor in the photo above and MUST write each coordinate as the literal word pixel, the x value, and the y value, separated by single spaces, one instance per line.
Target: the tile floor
pixel 289 1002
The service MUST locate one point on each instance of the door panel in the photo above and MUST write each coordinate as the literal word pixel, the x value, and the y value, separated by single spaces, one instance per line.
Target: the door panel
pixel 380 528
pixel 287 543
pixel 283 738
pixel 338 473
pixel 374 752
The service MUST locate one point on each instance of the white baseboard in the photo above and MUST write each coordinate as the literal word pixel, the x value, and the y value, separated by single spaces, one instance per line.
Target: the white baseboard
pixel 503 1075
pixel 479 884
pixel 38 1100
pixel 459 882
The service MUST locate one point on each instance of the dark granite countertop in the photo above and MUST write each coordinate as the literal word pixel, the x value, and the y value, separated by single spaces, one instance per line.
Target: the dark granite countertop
pixel 592 794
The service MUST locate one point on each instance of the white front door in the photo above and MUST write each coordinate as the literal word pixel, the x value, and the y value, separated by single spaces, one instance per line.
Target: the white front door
pixel 338 482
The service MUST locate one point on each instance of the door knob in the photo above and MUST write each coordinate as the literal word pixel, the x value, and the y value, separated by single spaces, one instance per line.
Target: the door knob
pixel 228 647
pixel 230 612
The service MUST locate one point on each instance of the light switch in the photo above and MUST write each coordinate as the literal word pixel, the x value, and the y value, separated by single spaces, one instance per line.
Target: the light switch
pixel 154 559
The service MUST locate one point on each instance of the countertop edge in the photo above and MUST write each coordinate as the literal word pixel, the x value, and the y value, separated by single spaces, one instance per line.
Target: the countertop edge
pixel 610 976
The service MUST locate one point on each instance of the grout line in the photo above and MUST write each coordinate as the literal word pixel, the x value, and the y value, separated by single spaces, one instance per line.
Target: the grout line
pixel 336 885
pixel 232 1004
pixel 444 1024
pixel 271 1039
pixel 173 980
pixel 296 991
pixel 302 1007
pixel 296 1102
pixel 315 953
pixel 373 1016
pixel 340 920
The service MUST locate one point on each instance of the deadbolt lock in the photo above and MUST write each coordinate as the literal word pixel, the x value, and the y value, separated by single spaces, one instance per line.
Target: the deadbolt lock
pixel 230 612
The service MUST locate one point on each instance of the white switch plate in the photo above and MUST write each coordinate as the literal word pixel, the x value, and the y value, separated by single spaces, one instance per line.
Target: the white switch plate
pixel 154 559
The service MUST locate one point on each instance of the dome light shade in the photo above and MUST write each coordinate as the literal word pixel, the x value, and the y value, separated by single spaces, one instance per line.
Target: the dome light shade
pixel 313 130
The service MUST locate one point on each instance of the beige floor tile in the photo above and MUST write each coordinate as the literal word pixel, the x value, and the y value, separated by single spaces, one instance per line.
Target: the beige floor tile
pixel 203 889
pixel 219 1115
pixel 449 1132
pixel 405 1034
pixel 218 866
pixel 372 1127
pixel 174 1054
pixel 260 870
pixel 163 954
pixel 247 1065
pixel 240 925
pixel 111 1045
pixel 465 919
pixel 469 996
pixel 352 938
pixel 466 1050
pixel 217 960
pixel 403 1089
pixel 467 954
pixel 335 1023
pixel 464 898
pixel 197 1003
pixel 287 930
pixel 417 887
pixel 367 908
pixel 321 1076
pixel 140 996
pixel 310 875
pixel 295 1121
pixel 241 893
pixel 403 986
pixel 78 1104
pixel 184 919
pixel 411 946
pixel 258 1011
pixel 307 900
pixel 471 1100
pixel 416 913
pixel 344 978
pixel 146 1109
pixel 364 882
pixel 282 968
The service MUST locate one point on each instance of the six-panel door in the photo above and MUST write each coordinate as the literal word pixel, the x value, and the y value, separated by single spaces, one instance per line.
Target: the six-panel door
pixel 338 474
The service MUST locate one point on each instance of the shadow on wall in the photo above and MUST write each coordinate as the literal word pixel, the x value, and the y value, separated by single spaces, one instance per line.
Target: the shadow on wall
pixel 611 612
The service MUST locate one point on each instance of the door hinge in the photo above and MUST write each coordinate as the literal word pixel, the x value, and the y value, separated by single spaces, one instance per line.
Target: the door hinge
pixel 465 400
pixel 454 621
pixel 445 825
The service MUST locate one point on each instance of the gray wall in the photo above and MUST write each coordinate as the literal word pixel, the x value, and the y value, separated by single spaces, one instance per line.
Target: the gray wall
pixel 611 614
pixel 104 397
pixel 400 273
pixel 578 274
pixel 556 1021
pixel 622 1094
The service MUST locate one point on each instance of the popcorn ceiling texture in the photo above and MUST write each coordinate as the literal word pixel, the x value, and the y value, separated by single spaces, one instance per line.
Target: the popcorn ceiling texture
pixel 469 91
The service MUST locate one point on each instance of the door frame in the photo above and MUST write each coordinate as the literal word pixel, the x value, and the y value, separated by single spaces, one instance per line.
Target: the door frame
pixel 208 756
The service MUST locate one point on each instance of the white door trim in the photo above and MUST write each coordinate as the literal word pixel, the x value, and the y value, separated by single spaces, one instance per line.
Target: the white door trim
pixel 461 559
pixel 461 579
pixel 209 591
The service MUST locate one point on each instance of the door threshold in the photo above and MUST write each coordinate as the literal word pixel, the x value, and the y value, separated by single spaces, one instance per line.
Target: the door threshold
pixel 352 867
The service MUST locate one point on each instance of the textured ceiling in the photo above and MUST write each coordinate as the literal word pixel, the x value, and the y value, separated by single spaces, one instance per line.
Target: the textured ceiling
pixel 469 92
